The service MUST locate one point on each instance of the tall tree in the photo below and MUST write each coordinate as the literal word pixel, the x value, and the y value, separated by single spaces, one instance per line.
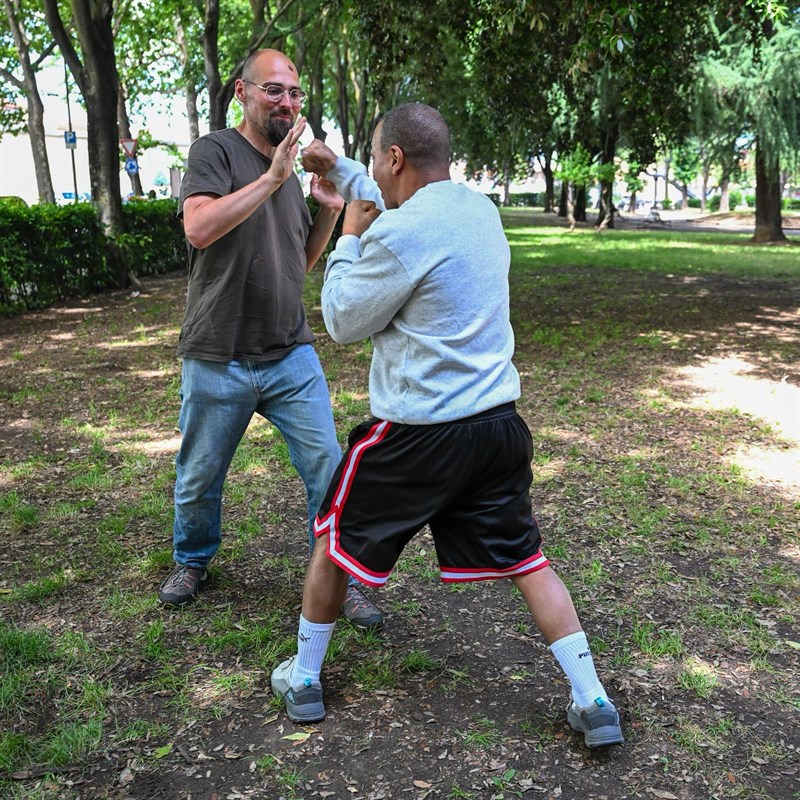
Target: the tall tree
pixel 759 85
pixel 26 26
pixel 95 72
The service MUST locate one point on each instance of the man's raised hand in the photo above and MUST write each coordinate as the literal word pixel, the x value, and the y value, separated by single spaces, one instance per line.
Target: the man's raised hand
pixel 286 152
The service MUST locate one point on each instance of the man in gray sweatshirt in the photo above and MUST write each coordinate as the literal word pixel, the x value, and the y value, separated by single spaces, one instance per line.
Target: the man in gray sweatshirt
pixel 427 280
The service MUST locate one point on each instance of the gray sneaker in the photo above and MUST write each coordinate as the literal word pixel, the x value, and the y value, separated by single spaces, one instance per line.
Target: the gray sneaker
pixel 181 586
pixel 304 705
pixel 361 612
pixel 599 723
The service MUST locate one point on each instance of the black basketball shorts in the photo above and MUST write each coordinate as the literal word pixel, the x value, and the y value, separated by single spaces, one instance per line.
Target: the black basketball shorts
pixel 469 480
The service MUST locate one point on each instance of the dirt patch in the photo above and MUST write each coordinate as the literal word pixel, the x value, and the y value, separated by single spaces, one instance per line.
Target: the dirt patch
pixel 685 569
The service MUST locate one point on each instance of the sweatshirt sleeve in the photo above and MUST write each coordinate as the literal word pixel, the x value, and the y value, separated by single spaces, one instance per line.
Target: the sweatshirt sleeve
pixel 353 183
pixel 363 290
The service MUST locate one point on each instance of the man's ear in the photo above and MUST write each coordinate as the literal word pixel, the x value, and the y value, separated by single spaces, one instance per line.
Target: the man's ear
pixel 238 90
pixel 396 159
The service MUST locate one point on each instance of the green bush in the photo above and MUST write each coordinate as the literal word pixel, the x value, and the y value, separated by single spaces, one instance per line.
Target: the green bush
pixel 156 244
pixel 518 199
pixel 694 202
pixel 790 204
pixel 50 253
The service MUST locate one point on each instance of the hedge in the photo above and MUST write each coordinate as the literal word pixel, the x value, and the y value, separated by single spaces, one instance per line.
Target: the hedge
pixel 518 199
pixel 49 254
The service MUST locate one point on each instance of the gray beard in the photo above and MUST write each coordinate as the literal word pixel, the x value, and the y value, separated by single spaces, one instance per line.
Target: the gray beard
pixel 277 130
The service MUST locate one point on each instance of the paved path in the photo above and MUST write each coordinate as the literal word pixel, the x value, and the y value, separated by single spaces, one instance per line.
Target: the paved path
pixel 700 223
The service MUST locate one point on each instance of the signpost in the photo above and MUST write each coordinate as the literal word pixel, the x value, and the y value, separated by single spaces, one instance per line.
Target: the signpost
pixel 131 165
pixel 129 147
pixel 70 138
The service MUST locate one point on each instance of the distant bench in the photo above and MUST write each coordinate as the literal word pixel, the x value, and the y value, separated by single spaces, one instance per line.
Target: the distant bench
pixel 654 218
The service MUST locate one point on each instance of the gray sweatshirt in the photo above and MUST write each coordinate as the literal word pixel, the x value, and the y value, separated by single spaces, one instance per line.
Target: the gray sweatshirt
pixel 428 282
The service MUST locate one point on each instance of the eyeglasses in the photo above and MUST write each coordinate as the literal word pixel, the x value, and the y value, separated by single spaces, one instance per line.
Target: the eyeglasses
pixel 276 92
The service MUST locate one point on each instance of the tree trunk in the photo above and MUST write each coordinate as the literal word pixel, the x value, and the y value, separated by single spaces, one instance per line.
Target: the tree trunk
pixel 569 196
pixel 605 219
pixel 98 82
pixel 44 181
pixel 632 204
pixel 506 192
pixel 545 159
pixel 562 200
pixel 769 220
pixel 724 198
pixel 190 88
pixel 217 114
pixel 706 176
pixel 580 204
pixel 191 112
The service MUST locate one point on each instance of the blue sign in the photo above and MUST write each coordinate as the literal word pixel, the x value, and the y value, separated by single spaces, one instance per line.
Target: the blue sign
pixel 131 166
pixel 70 139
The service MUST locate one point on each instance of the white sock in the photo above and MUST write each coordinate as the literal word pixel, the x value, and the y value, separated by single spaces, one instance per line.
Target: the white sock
pixel 312 644
pixel 575 657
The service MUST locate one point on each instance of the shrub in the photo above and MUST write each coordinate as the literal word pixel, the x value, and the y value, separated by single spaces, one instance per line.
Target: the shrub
pixel 790 204
pixel 50 253
pixel 518 199
pixel 694 202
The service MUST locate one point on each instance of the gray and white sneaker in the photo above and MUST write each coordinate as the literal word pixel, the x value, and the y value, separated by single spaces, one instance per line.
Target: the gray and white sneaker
pixel 360 611
pixel 182 585
pixel 302 705
pixel 599 723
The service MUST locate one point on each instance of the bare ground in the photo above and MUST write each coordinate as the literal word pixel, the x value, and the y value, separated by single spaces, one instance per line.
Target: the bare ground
pixel 643 492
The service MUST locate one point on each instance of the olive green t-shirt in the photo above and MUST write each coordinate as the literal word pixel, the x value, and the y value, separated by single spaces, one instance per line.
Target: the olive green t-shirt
pixel 244 296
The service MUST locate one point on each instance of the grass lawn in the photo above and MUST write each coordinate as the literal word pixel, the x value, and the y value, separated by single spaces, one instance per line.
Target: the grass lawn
pixel 659 375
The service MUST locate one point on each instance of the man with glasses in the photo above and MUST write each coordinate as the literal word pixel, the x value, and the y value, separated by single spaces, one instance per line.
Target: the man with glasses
pixel 245 341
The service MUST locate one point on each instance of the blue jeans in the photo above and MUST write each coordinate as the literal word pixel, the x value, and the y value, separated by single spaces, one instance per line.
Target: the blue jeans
pixel 217 403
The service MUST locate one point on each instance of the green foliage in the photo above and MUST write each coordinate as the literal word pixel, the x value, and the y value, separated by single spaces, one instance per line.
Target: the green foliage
pixel 157 244
pixel 51 253
pixel 519 199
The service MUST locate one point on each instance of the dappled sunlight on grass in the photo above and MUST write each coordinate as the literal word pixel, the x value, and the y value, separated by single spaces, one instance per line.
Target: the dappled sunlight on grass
pixel 724 384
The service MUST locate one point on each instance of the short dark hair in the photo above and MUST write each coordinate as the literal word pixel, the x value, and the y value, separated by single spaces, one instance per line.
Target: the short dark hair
pixel 420 132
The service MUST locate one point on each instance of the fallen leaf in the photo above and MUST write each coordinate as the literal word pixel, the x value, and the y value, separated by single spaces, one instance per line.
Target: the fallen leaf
pixel 126 776
pixel 162 751
pixel 663 795
pixel 422 784
pixel 297 737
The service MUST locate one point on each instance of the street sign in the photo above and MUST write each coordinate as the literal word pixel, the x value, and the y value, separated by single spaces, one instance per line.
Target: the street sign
pixel 70 140
pixel 131 166
pixel 129 146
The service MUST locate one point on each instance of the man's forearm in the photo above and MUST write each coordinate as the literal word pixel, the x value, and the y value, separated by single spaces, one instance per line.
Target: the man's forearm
pixel 353 183
pixel 207 219
pixel 320 234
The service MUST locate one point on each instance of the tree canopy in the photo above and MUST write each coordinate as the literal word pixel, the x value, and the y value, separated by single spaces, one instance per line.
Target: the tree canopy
pixel 519 81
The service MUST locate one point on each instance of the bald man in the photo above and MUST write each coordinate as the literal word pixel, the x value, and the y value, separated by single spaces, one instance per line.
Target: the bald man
pixel 245 341
pixel 427 280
